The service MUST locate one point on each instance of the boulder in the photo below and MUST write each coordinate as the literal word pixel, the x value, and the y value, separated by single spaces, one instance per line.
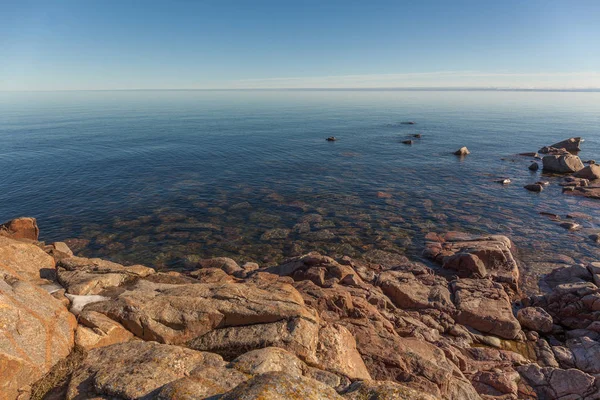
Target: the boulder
pixel 562 164
pixel 269 359
pixel 337 352
pixel 463 151
pixel 202 383
pixel 135 369
pixel 408 291
pixel 280 385
pixel 466 264
pixel 534 166
pixel 494 251
pixel 178 313
pixel 535 318
pixel 36 331
pixel 226 264
pixel 555 383
pixel 21 228
pixel 91 276
pixel 485 306
pixel 586 354
pixel 26 261
pixel 571 144
pixel 573 305
pixel 534 187
pixel 591 172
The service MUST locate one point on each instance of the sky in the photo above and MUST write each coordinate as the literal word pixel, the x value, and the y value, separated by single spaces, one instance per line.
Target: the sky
pixel 108 45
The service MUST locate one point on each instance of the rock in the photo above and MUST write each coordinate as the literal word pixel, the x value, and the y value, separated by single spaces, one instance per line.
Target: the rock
pixel 534 187
pixel 586 354
pixel 269 359
pixel 535 318
pixel 571 144
pixel 562 164
pixel 407 141
pixel 591 172
pixel 37 331
pixel 225 263
pixel 417 135
pixel 573 305
pixel 466 264
pixel 21 228
pixel 504 181
pixel 409 292
pixel 408 123
pixel 571 226
pixel 463 151
pixel 555 383
pixel 298 336
pixel 178 313
pixel 494 251
pixel 279 385
pixel 97 330
pixel 275 234
pixel 202 383
pixel 26 261
pixel 135 369
pixel 534 166
pixel 383 390
pixel 331 139
pixel 483 305
pixel 337 352
pixel 63 250
pixel 91 276
pixel 77 303
pixel 595 237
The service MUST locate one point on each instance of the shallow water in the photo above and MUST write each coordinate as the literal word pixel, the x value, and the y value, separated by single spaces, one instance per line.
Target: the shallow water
pixel 155 176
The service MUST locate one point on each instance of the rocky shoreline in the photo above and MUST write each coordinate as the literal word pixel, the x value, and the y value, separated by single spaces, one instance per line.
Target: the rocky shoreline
pixel 312 327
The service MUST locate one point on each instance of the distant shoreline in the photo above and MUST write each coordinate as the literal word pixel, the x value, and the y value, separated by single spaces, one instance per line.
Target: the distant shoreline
pixel 399 89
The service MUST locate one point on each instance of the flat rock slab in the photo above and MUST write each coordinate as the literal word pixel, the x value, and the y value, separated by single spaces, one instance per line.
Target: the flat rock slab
pixel 26 261
pixel 485 306
pixel 590 192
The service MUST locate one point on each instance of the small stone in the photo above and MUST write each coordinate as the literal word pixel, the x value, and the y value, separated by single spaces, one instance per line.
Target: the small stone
pixel 408 123
pixel 535 318
pixel 331 139
pixel 504 181
pixel 417 135
pixel 407 141
pixel 571 226
pixel 534 166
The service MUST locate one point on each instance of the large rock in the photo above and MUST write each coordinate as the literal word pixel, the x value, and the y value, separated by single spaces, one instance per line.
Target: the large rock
pixel 555 383
pixel 21 228
pixel 490 255
pixel 337 352
pixel 485 306
pixel 591 172
pixel 573 305
pixel 279 385
pixel 26 261
pixel 202 383
pixel 562 164
pixel 410 291
pixel 36 331
pixel 586 354
pixel 571 144
pixel 89 276
pixel 136 369
pixel 535 318
pixel 179 313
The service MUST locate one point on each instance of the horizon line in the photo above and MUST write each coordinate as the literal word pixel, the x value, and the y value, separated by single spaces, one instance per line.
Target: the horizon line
pixel 333 89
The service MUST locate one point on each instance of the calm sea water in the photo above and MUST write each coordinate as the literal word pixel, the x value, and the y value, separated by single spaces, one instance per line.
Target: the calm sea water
pixel 158 176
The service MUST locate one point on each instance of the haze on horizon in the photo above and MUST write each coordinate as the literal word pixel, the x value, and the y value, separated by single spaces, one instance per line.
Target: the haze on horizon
pixel 110 45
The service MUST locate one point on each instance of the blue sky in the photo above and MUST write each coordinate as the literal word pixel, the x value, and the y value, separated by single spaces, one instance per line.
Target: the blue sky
pixel 70 45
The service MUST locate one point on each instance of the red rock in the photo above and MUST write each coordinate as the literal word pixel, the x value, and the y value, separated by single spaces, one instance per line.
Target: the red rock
pixel 21 228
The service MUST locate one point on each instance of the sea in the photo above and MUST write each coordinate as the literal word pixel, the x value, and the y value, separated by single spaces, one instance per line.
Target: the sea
pixel 164 178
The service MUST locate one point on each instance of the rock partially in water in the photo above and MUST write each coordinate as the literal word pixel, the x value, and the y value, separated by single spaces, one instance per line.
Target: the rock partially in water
pixel 534 166
pixel 562 164
pixel 534 187
pixel 572 144
pixel 463 151
pixel 331 139
pixel 591 172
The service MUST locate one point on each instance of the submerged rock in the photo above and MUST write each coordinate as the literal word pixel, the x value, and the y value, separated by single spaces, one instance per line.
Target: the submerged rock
pixel 534 187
